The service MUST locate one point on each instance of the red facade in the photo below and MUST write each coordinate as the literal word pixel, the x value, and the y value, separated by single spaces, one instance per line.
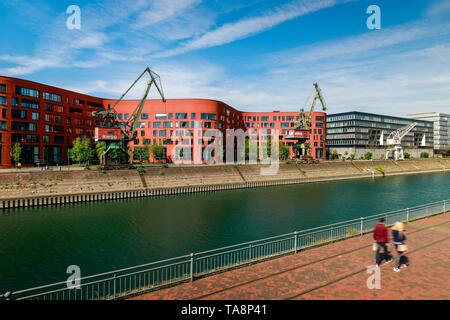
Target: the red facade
pixel 45 120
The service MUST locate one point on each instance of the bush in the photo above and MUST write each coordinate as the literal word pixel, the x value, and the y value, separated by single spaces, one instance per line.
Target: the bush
pixel 368 156
pixel 407 155
pixel 424 155
pixel 380 170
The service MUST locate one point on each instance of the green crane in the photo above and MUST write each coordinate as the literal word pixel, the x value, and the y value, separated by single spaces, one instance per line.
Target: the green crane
pixel 117 134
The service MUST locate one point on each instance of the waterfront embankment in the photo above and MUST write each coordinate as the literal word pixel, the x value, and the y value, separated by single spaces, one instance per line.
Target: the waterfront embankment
pixel 28 189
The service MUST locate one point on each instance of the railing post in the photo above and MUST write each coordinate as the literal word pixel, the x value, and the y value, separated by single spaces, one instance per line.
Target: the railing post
pixel 362 226
pixel 115 293
pixel 407 214
pixel 250 253
pixel 295 242
pixel 192 267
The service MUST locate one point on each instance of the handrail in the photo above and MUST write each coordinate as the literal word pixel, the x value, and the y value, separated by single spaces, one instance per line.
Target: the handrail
pixel 154 275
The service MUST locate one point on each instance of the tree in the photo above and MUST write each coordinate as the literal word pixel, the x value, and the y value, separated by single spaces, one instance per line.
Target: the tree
pixel 334 154
pixel 81 151
pixel 17 153
pixel 141 153
pixel 100 149
pixel 284 151
pixel 159 152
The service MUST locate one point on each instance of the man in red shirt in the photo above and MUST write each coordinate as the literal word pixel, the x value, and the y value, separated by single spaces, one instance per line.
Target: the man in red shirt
pixel 381 237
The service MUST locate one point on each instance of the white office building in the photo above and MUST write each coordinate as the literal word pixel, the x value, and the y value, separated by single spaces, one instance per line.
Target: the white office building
pixel 441 123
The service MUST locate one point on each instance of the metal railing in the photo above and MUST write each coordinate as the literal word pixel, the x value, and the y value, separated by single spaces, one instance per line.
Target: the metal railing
pixel 139 279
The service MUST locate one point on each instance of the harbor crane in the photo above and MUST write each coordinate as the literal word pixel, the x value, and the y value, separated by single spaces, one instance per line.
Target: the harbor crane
pixel 304 124
pixel 394 142
pixel 117 135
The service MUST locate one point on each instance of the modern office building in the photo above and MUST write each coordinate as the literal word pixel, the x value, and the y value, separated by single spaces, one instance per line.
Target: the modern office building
pixel 356 133
pixel 285 123
pixel 441 122
pixel 45 120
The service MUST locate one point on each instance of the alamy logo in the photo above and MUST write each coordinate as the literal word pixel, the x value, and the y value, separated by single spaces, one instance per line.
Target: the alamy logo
pixel 374 280
pixel 74 280
pixel 374 20
pixel 73 22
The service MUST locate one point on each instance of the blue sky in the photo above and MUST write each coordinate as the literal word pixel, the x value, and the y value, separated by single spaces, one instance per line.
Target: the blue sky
pixel 257 55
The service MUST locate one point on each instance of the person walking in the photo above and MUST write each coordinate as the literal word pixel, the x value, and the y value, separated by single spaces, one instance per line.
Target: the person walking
pixel 381 237
pixel 399 240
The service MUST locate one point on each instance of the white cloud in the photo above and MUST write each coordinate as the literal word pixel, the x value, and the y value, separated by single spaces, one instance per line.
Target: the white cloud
pixel 162 10
pixel 250 26
pixel 368 42
pixel 438 8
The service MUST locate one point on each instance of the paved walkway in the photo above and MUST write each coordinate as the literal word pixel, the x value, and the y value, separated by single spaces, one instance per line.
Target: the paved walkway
pixel 335 271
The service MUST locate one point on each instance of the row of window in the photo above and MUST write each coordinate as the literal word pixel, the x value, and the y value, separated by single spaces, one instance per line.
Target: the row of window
pixel 33 138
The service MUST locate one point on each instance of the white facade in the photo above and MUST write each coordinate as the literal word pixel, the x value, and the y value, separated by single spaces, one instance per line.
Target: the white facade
pixel 441 128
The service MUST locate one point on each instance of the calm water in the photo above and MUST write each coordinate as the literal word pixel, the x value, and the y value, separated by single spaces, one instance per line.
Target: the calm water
pixel 37 245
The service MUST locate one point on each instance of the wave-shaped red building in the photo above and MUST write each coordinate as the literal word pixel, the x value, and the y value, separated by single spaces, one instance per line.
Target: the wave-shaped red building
pixel 45 120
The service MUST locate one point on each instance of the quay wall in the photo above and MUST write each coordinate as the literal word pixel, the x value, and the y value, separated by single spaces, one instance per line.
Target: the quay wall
pixel 28 189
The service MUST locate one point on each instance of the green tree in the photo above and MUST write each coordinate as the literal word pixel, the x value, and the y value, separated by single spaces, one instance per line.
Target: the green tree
pixel 141 153
pixel 81 151
pixel 17 153
pixel 284 151
pixel 100 149
pixel 159 152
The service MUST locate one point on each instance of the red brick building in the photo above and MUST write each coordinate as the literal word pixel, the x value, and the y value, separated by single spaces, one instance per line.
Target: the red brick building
pixel 45 120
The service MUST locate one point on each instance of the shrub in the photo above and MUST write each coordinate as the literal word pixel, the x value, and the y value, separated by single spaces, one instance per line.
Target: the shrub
pixel 407 155
pixel 368 156
pixel 380 170
pixel 424 155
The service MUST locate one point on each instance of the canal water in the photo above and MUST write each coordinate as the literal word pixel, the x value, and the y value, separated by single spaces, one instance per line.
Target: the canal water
pixel 37 245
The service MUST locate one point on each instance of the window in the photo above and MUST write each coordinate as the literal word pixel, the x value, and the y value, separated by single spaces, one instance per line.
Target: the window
pixel 144 116
pixel 156 125
pixel 14 102
pixel 23 126
pixel 3 88
pixel 52 97
pixel 58 140
pixel 18 114
pixel 54 108
pixel 163 133
pixel 46 139
pixel 264 119
pixel 3 100
pixel 193 115
pixel 168 125
pixel 53 118
pixel 30 104
pixel 35 115
pixel 181 116
pixel 4 113
pixel 27 92
pixel 285 125
pixel 120 116
pixel 209 116
pixel 2 125
pixel 161 116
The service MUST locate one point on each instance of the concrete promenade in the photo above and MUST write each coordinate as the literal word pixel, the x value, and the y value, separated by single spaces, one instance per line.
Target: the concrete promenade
pixel 335 271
